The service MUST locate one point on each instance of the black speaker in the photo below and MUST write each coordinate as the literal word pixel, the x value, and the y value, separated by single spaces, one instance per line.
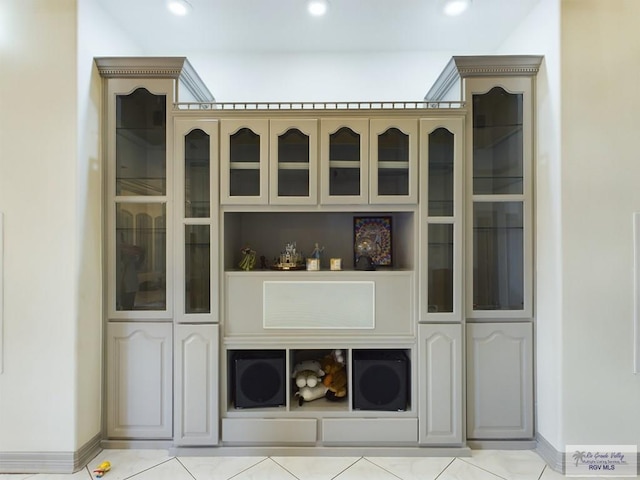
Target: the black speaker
pixel 258 378
pixel 380 380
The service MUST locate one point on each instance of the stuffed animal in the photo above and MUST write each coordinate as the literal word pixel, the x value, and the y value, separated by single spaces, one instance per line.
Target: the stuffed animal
pixel 306 394
pixel 307 373
pixel 335 378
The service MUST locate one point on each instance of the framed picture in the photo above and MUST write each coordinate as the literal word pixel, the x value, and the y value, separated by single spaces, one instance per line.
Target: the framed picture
pixel 372 235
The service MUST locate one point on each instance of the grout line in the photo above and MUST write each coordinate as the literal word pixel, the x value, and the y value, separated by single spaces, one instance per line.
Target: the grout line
pixel 150 468
pixel 445 468
pixel 183 466
pixel 346 468
pixel 382 468
pixel 285 468
pixel 248 468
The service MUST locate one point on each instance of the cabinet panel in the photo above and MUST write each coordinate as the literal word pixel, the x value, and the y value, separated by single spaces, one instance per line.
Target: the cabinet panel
pixel 139 388
pixel 269 431
pixel 244 162
pixel 369 431
pixel 293 162
pixel 440 380
pixel 500 381
pixel 394 161
pixel 196 256
pixel 393 302
pixel 196 385
pixel 344 161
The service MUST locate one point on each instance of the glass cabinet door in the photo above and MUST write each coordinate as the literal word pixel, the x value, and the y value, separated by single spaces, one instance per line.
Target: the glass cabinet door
pixel 196 256
pixel 394 161
pixel 137 191
pixel 441 147
pixel 244 162
pixel 293 162
pixel 344 161
pixel 500 210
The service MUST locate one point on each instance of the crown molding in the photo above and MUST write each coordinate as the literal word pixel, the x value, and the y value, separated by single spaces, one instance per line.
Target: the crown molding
pixel 460 67
pixel 176 68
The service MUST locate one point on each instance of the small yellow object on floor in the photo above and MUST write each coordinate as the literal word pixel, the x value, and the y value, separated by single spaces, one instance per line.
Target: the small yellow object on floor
pixel 101 469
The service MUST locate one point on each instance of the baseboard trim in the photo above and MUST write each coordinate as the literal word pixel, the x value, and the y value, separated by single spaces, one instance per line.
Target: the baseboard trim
pixel 554 458
pixel 50 462
pixel 502 444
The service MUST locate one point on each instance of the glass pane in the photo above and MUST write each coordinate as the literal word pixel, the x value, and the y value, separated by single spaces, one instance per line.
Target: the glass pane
pixel 141 246
pixel 498 255
pixel 293 164
pixel 197 269
pixel 393 163
pixel 141 144
pixel 196 176
pixel 344 162
pixel 441 173
pixel 244 151
pixel 497 142
pixel 440 257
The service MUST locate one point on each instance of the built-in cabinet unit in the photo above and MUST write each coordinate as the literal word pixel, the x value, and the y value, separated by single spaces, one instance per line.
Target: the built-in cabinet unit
pixel 209 314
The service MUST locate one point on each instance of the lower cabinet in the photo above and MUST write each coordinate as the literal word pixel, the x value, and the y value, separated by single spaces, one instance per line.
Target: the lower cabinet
pixel 500 381
pixel 196 391
pixel 440 382
pixel 139 380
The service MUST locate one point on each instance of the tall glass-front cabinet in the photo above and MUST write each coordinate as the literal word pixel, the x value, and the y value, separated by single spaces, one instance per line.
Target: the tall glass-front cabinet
pixel 161 296
pixel 187 187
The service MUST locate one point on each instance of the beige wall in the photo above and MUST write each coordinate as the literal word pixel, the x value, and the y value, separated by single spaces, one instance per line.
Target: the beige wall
pixel 38 197
pixel 600 175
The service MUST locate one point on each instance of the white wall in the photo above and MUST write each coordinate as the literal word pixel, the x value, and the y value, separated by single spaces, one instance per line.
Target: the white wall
pixel 318 77
pixel 50 195
pixel 97 36
pixel 37 195
pixel 600 172
pixel 539 34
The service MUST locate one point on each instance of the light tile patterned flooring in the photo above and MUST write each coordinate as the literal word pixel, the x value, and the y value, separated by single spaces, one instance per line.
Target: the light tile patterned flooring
pixel 158 465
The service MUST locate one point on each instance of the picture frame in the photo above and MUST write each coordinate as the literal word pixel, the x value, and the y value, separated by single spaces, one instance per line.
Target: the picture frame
pixel 378 230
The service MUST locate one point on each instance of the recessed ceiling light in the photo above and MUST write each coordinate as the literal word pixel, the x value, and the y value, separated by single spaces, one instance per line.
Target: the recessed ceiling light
pixel 455 7
pixel 317 7
pixel 179 7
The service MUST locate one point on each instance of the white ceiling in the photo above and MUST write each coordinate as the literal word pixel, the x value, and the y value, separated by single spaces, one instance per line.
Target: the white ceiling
pixel 280 26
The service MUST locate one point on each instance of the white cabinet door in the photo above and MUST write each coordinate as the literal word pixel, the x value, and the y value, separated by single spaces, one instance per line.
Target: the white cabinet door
pixel 500 380
pixel 394 161
pixel 244 162
pixel 344 161
pixel 139 380
pixel 196 385
pixel 440 381
pixel 293 162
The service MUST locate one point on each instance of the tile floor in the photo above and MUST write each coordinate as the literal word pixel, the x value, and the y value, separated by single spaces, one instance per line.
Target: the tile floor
pixel 158 465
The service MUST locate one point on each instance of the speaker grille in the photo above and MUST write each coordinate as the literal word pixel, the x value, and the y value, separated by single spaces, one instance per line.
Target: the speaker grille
pixel 259 379
pixel 380 380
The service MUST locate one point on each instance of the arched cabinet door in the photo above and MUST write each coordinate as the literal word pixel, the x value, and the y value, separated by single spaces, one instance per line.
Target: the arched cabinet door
pixel 293 157
pixel 244 161
pixel 344 161
pixel 394 161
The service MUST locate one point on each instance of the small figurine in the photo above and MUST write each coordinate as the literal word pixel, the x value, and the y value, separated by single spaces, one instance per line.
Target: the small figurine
pixel 263 262
pixel 101 469
pixel 317 251
pixel 248 259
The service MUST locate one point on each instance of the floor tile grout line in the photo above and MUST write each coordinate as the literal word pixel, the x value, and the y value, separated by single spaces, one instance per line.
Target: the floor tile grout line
pixel 389 472
pixel 147 469
pixel 346 468
pixel 484 469
pixel 184 466
pixel 285 468
pixel 445 468
pixel 248 468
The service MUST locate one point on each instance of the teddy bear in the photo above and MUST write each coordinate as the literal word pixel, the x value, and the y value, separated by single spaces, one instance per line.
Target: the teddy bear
pixel 335 378
pixel 307 373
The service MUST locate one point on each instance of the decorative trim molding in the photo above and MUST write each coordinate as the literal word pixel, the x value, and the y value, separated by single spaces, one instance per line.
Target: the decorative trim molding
pixel 554 458
pixel 50 462
pixel 501 444
pixel 177 68
pixel 460 67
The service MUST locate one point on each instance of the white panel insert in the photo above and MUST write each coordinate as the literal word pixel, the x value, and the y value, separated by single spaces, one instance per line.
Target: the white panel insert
pixel 319 305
